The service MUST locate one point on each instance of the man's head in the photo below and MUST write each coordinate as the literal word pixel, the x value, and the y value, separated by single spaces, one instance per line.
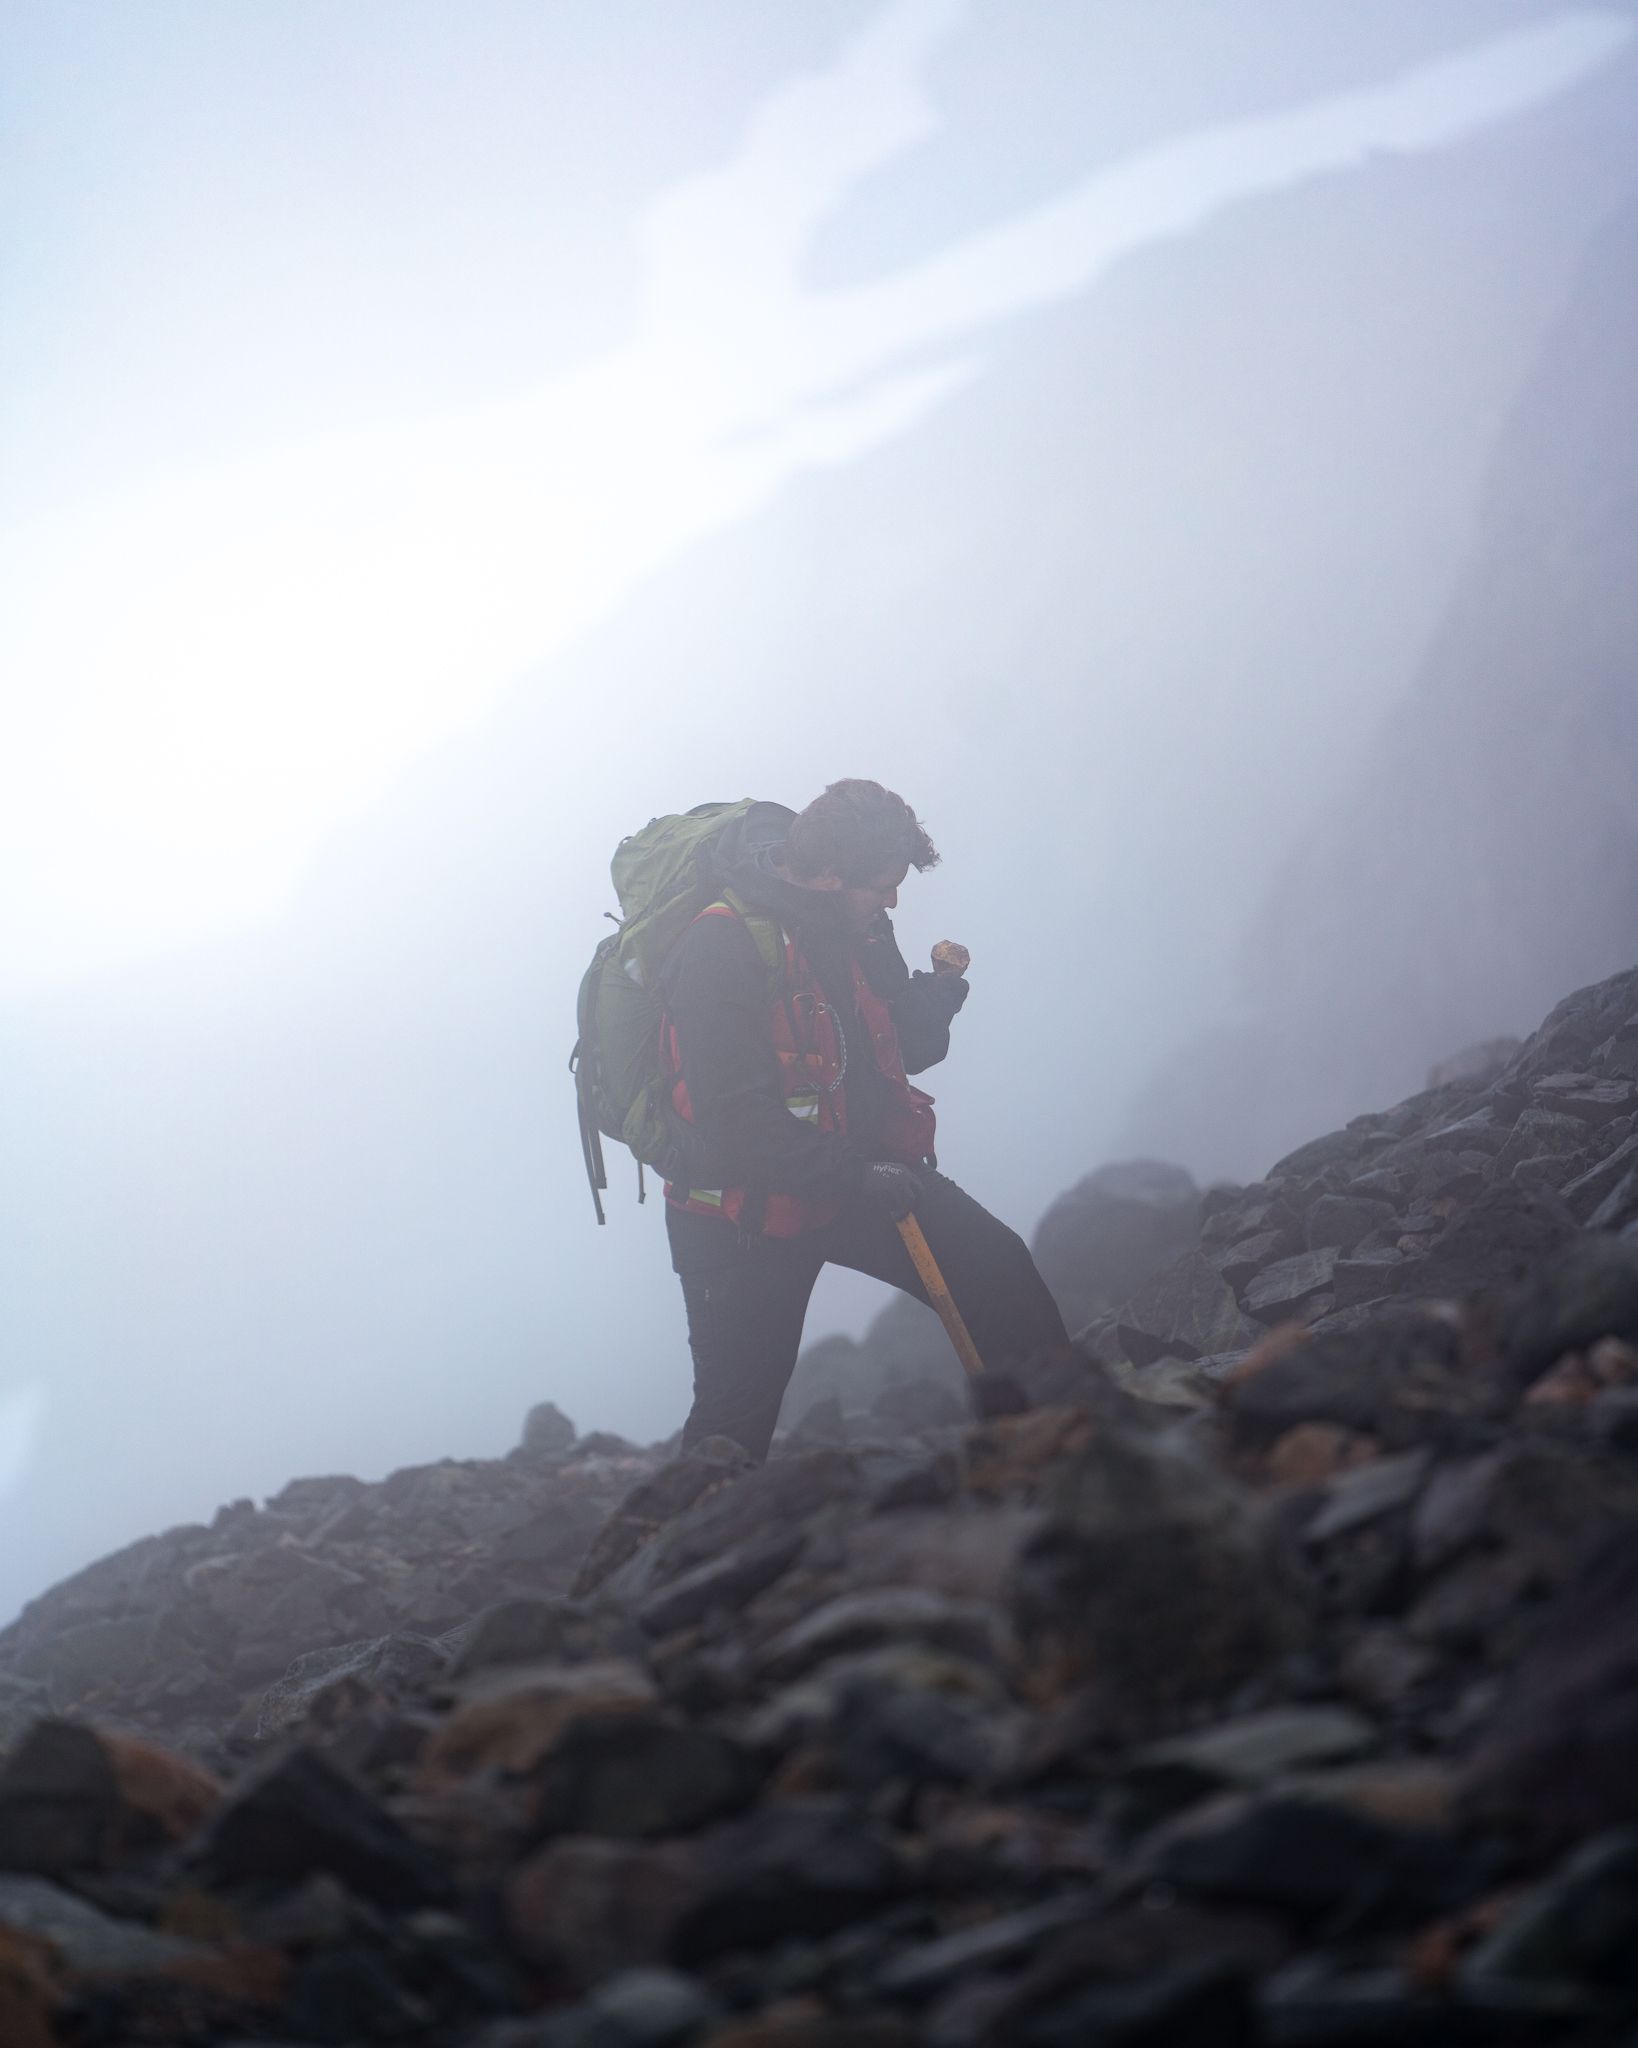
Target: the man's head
pixel 858 841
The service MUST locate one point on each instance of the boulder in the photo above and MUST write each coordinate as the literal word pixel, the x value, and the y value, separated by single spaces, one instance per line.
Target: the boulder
pixel 382 1666
pixel 1280 1291
pixel 547 1432
pixel 1494 1243
pixel 1393 1377
pixel 1340 1221
pixel 1153 1589
pixel 1588 1291
pixel 1557 1759
pixel 1103 1239
pixel 299 1814
pixel 636 1776
pixel 1187 1310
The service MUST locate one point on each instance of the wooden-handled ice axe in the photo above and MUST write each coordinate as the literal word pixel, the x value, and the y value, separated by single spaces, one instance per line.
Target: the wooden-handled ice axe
pixel 921 1252
pixel 948 958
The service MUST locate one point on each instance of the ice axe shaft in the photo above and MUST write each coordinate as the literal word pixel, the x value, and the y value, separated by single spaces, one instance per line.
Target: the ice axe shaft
pixel 921 1252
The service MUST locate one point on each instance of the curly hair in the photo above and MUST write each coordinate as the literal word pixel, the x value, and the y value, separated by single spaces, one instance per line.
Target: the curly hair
pixel 856 830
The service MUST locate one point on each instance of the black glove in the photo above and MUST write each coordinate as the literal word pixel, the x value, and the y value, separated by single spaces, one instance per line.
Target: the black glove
pixel 889 1189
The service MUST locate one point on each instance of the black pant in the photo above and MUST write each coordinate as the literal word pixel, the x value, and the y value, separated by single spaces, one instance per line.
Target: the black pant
pixel 747 1298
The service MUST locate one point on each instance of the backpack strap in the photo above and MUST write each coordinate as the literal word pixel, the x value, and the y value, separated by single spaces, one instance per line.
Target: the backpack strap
pixel 767 932
pixel 768 935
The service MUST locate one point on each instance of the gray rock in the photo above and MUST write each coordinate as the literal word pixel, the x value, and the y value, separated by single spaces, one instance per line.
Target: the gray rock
pixel 298 1815
pixel 547 1431
pixel 1355 1498
pixel 1580 1927
pixel 1392 1377
pixel 1620 1206
pixel 822 1423
pixel 23 1701
pixel 1342 1220
pixel 389 1665
pixel 1252 1749
pixel 635 2009
pixel 1253 1210
pixel 875 1617
pixel 1335 1148
pixel 1618 1055
pixel 87 1939
pixel 1500 1238
pixel 1476 1065
pixel 534 1628
pixel 1550 1170
pixel 1558 1756
pixel 1538 1132
pixel 1168 1383
pixel 1587 1291
pixel 95 1654
pixel 1188 1310
pixel 1247 1255
pixel 1483 1131
pixel 1366 1278
pixel 1152 1587
pixel 1280 1290
pixel 655 1502
pixel 1583 1194
pixel 1310 1860
pixel 1590 1099
pixel 1110 1232
pixel 800 1867
pixel 920 1404
pixel 720 1584
pixel 637 1776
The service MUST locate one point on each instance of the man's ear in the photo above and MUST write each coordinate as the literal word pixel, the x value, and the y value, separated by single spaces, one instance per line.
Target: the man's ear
pixel 827 879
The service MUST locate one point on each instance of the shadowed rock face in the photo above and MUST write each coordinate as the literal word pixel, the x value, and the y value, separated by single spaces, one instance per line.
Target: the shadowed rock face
pixel 1321 1648
pixel 1111 1231
pixel 1485 857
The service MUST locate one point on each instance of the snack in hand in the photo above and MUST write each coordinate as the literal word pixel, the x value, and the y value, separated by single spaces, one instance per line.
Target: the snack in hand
pixel 949 958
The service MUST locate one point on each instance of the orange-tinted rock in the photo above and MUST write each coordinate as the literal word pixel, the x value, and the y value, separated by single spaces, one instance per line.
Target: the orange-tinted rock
pixel 582 1909
pixel 1312 1452
pixel 1613 1363
pixel 1568 1383
pixel 30 1992
pixel 162 1794
pixel 77 1797
pixel 1279 1343
pixel 1011 1453
pixel 513 1719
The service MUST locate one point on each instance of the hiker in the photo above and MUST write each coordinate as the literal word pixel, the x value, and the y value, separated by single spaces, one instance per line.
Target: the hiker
pixel 793 1084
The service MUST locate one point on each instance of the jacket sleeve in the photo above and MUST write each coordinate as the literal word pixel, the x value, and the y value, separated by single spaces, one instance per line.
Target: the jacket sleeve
pixel 923 1004
pixel 716 990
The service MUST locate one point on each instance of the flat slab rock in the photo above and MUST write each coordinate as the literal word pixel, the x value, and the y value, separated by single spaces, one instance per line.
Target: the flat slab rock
pixel 1186 1311
pixel 1280 1289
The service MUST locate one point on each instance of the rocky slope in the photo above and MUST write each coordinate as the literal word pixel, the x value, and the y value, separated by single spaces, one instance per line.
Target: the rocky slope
pixel 1263 1673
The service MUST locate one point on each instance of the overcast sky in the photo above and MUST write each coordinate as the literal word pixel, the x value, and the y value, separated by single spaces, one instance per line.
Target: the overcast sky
pixel 432 441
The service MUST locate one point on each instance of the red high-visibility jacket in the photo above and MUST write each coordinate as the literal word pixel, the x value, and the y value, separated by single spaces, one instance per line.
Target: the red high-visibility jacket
pixel 813 1062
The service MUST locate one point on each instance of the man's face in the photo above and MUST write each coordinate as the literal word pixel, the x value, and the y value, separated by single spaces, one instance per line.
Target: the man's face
pixel 862 904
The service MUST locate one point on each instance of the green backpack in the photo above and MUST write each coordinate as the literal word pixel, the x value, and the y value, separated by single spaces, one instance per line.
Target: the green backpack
pixel 664 876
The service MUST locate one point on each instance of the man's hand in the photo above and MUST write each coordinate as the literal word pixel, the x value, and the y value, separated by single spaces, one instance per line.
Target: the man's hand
pixel 890 1190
